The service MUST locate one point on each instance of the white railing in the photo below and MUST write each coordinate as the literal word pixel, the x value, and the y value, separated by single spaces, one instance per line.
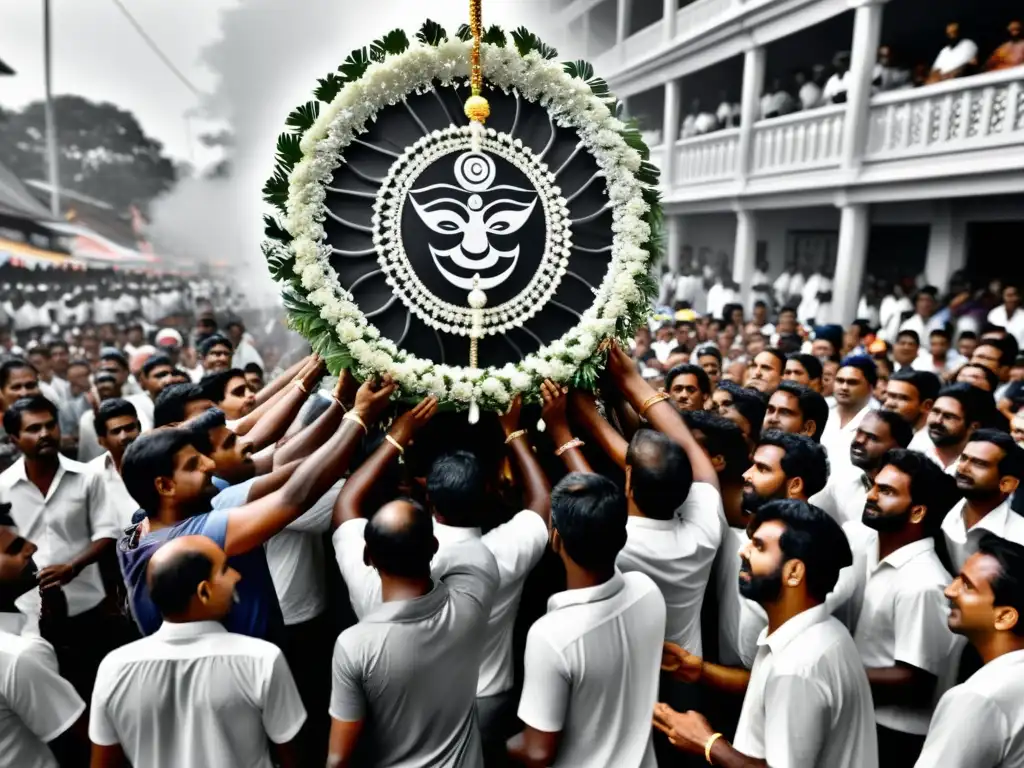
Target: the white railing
pixel 799 142
pixel 712 157
pixel 700 13
pixel 958 115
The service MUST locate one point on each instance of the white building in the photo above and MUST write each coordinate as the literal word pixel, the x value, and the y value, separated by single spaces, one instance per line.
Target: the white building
pixel 930 177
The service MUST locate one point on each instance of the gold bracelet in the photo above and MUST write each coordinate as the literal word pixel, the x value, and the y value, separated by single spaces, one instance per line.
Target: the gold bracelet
pixel 707 747
pixel 395 443
pixel 338 401
pixel 651 401
pixel 517 434
pixel 300 385
pixel 574 443
pixel 353 416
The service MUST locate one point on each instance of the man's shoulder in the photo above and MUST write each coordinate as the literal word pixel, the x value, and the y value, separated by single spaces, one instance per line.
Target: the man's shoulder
pixel 13 473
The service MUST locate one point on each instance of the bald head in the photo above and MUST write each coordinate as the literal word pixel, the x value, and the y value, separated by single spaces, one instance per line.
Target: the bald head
pixel 400 540
pixel 189 579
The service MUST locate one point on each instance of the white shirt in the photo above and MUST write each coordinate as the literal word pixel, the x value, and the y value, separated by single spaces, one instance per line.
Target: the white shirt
pixel 961 543
pixel 810 95
pixel 926 362
pixel 980 723
pixel 837 439
pixel 88 443
pixel 903 619
pixel 678 554
pixel 36 704
pixel 844 494
pixel 592 666
pixel 836 85
pixel 922 443
pixel 244 354
pixel 923 328
pixel 1014 325
pixel 124 506
pixel 718 297
pixel 517 547
pixel 808 702
pixel 954 57
pixel 195 694
pixel 74 513
pixel 740 621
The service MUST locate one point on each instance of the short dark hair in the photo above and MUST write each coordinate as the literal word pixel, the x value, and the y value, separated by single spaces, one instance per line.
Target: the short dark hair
pixel 254 368
pixel 990 376
pixel 927 290
pixel 788 308
pixel 926 383
pixel 1012 463
pixel 114 408
pixel 1008 586
pixel 703 382
pixel 899 427
pixel 150 457
pixel 589 513
pixel 813 405
pixel 114 355
pixel 930 487
pixel 170 404
pixel 813 538
pixel 721 438
pixel 173 584
pixel 709 350
pixel 810 363
pixel 865 365
pixel 750 403
pixel 1007 346
pixel 216 384
pixel 660 473
pixel 912 335
pixel 940 332
pixel 155 362
pixel 969 335
pixel 214 340
pixel 802 457
pixel 78 362
pixel 59 343
pixel 33 404
pixel 455 487
pixel 403 551
pixel 976 403
pixel 200 426
pixel 10 366
pixel 40 349
pixel 778 354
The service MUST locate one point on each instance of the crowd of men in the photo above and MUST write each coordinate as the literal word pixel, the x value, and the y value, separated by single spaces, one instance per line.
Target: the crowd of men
pixel 807 553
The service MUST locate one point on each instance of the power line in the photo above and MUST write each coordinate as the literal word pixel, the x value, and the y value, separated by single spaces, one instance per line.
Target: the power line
pixel 156 49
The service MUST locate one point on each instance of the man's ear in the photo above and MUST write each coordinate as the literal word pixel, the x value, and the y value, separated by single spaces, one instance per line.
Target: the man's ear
pixel 164 486
pixel 794 572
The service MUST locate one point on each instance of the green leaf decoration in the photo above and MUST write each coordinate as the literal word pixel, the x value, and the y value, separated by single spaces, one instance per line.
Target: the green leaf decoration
pixel 328 88
pixel 272 228
pixel 546 51
pixel 464 33
pixel 431 33
pixel 494 35
pixel 393 43
pixel 275 191
pixel 599 87
pixel 288 150
pixel 525 42
pixel 355 65
pixel 579 68
pixel 302 119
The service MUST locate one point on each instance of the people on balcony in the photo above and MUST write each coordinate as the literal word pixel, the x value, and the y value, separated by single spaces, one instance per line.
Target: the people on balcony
pixel 958 58
pixel 698 122
pixel 837 85
pixel 728 112
pixel 807 88
pixel 777 101
pixel 1009 54
pixel 887 76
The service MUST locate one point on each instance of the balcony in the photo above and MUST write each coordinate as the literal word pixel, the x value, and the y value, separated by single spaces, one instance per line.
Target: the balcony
pixel 709 158
pixel 799 142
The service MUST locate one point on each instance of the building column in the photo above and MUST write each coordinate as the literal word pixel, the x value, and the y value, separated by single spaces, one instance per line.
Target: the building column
pixel 947 247
pixel 675 231
pixel 585 33
pixel 750 106
pixel 670 132
pixel 745 253
pixel 851 254
pixel 867 32
pixel 670 9
pixel 623 7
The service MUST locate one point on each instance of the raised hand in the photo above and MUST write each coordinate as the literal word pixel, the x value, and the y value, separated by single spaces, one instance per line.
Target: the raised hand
pixel 583 407
pixel 688 731
pixel 509 420
pixel 682 664
pixel 554 408
pixel 620 365
pixel 413 420
pixel 345 389
pixel 373 397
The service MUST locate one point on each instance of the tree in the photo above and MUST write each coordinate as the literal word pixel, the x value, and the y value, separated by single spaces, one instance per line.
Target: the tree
pixel 104 152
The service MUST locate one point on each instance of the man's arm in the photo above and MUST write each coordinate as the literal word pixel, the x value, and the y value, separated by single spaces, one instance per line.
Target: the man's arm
pixel 111 756
pixel 557 421
pixel 533 748
pixel 686 667
pixel 268 423
pixel 312 436
pixel 583 408
pixel 691 732
pixel 342 746
pixel 536 488
pixel 251 525
pixel 901 685
pixel 281 381
pixel 662 415
pixel 61 574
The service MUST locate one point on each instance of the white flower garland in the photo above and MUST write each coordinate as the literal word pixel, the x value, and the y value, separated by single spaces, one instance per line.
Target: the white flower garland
pixel 572 104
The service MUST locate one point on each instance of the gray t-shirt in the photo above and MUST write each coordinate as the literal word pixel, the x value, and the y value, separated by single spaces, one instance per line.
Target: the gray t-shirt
pixel 409 668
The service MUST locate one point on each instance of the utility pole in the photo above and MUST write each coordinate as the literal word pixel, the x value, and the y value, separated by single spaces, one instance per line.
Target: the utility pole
pixel 51 119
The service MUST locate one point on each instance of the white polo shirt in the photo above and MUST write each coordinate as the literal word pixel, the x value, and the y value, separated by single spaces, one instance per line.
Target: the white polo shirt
pixel 36 704
pixel 981 722
pixel 903 619
pixel 808 702
pixel 922 443
pixel 953 57
pixel 740 621
pixel 517 546
pixel 124 506
pixel 195 694
pixel 678 555
pixel 592 667
pixel 74 513
pixel 1014 325
pixel 837 439
pixel 961 543
pixel 845 494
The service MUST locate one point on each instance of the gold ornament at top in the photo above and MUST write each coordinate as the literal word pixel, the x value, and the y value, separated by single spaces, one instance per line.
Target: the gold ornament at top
pixel 476 108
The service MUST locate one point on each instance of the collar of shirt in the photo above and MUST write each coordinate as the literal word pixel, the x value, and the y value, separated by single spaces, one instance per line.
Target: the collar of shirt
pixel 994 522
pixel 171 630
pixel 452 534
pixel 900 557
pixel 18 473
pixel 793 628
pixel 854 423
pixel 415 609
pixel 610 588
pixel 651 523
pixel 1006 660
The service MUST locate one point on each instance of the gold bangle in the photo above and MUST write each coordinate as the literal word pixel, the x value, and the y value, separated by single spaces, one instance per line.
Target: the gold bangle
pixel 707 747
pixel 651 401
pixel 300 385
pixel 395 443
pixel 517 434
pixel 338 401
pixel 353 416
pixel 574 443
